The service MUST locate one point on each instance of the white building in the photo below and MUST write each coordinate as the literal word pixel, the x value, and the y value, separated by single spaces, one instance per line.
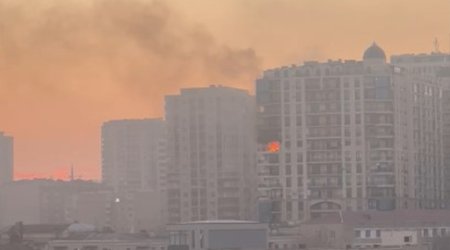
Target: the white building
pixel 133 154
pixel 217 235
pixel 211 147
pixel 6 158
pixel 348 135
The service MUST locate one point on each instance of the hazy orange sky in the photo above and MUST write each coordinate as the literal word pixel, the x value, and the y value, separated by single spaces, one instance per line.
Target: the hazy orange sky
pixel 67 66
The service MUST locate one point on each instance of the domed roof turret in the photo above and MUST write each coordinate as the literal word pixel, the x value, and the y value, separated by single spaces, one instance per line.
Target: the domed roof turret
pixel 374 52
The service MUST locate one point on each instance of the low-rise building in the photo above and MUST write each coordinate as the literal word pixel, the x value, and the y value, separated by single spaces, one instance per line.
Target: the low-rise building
pixel 220 234
pixel 286 238
pixel 125 212
pixel 31 236
pixel 109 241
pixel 370 229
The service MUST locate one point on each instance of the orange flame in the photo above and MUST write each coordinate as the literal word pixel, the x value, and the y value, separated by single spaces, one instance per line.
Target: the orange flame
pixel 273 147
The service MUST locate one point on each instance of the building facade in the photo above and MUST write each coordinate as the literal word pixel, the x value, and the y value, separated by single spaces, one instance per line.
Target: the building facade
pixel 125 212
pixel 211 147
pixel 398 229
pixel 436 66
pixel 6 158
pixel 133 154
pixel 41 201
pixel 348 135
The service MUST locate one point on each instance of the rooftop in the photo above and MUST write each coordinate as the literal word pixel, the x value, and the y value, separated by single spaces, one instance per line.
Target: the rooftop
pixel 396 218
pixel 41 228
pixel 220 222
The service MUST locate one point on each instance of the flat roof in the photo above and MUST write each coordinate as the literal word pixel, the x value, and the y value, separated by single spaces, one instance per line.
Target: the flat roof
pixel 219 222
pixel 395 218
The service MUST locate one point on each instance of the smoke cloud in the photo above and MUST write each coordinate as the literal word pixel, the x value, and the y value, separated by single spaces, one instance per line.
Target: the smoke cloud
pixel 67 66
pixel 140 47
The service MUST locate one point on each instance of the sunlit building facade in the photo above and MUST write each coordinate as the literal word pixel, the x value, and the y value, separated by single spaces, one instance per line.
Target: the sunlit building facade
pixel 352 135
pixel 6 158
pixel 211 149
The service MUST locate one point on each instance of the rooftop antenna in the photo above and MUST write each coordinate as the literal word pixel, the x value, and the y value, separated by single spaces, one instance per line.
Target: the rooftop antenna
pixel 436 45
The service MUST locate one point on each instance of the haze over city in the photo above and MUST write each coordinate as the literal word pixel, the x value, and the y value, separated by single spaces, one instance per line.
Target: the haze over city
pixel 224 124
pixel 68 66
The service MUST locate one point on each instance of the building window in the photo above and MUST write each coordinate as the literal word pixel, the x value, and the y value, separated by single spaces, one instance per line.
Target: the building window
pixel 426 233
pixel 299 169
pixel 332 234
pixel 378 233
pixel 347 119
pixel 288 169
pixel 358 168
pixel 358 234
pixel 358 119
pixel 299 181
pixel 287 158
pixel 407 239
pixel 288 182
pixel 367 233
pixel 357 94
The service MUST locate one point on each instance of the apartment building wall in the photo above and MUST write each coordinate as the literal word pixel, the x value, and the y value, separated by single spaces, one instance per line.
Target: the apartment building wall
pixel 133 154
pixel 211 145
pixel 348 135
pixel 6 158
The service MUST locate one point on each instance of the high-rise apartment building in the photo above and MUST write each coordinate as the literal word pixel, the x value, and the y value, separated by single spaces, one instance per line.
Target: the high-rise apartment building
pixel 348 135
pixel 437 66
pixel 6 158
pixel 211 152
pixel 133 154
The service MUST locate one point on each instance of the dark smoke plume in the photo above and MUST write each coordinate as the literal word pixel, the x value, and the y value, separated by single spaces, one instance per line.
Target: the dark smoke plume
pixel 136 46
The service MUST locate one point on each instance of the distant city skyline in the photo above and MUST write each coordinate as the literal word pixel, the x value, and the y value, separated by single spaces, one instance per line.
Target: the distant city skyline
pixel 55 95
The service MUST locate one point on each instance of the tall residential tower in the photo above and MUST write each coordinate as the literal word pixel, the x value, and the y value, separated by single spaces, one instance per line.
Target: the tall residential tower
pixel 133 154
pixel 435 65
pixel 6 158
pixel 211 149
pixel 348 135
